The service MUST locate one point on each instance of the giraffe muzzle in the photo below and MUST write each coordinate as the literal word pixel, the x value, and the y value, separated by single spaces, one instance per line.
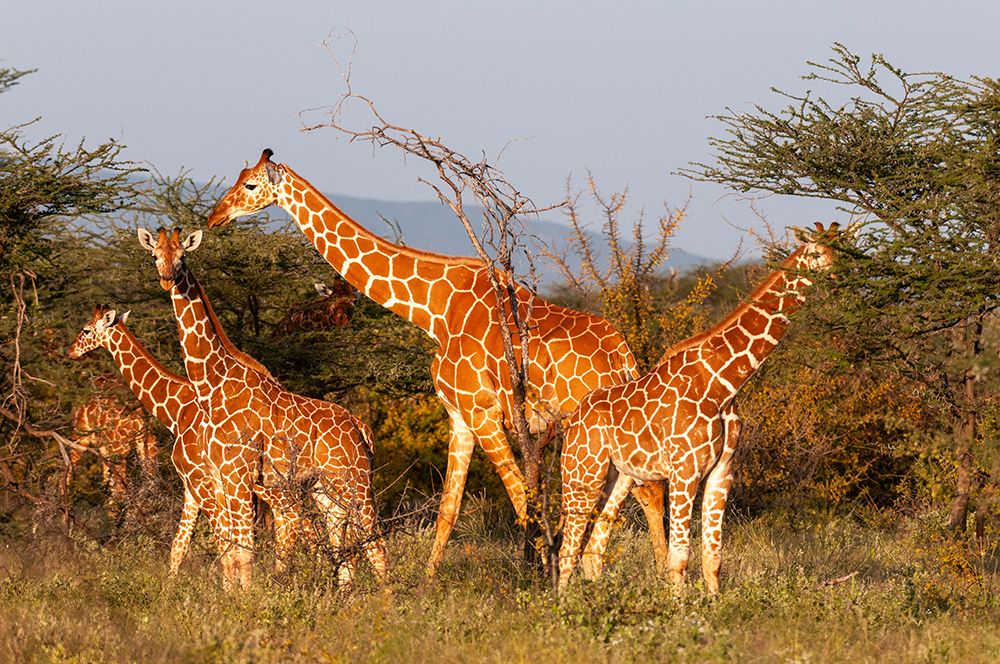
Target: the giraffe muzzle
pixel 217 219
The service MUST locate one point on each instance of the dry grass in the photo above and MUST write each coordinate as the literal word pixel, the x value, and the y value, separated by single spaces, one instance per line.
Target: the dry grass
pixel 916 596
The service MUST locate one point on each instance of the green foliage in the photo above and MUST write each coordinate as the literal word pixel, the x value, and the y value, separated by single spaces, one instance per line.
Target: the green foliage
pixel 916 155
pixel 43 181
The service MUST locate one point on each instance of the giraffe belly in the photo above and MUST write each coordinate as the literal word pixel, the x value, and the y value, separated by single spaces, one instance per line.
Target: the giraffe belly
pixel 644 462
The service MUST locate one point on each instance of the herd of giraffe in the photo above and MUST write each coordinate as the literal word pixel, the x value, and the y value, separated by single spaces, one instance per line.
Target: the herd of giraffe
pixel 239 433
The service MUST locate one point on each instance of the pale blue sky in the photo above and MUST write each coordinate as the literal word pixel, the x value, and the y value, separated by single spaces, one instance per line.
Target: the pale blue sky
pixel 622 89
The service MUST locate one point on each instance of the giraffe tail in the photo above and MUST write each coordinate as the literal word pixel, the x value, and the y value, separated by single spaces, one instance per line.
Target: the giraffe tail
pixel 366 434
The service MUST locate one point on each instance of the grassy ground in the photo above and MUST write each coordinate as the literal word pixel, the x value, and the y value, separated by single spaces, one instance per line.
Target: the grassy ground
pixel 916 596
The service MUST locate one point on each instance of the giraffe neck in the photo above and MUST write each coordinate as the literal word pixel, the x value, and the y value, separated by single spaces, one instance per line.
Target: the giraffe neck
pixel 736 347
pixel 209 355
pixel 397 277
pixel 162 392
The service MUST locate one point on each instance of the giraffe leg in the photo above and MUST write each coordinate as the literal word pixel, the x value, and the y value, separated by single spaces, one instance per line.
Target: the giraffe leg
pixel 601 535
pixel 337 516
pixel 375 551
pixel 286 523
pixel 372 541
pixel 238 501
pixel 651 497
pixel 147 453
pixel 580 496
pixel 115 474
pixel 717 485
pixel 682 493
pixel 185 528
pixel 460 448
pixel 488 428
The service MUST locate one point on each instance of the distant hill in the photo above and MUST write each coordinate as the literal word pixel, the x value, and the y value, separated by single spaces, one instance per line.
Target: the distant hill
pixel 429 225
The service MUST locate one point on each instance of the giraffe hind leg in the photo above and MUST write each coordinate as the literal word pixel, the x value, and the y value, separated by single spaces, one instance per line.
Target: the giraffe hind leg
pixel 185 528
pixel 601 535
pixel 650 496
pixel 580 499
pixel 713 508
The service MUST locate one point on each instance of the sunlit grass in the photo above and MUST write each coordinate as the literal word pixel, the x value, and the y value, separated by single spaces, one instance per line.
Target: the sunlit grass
pixel 913 596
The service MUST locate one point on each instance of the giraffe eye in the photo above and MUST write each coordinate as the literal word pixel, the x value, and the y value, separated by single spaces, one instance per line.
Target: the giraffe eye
pixel 250 186
pixel 87 332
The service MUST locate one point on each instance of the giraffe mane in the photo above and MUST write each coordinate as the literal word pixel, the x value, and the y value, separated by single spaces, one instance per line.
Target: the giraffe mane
pixel 467 261
pixel 239 355
pixel 149 357
pixel 754 295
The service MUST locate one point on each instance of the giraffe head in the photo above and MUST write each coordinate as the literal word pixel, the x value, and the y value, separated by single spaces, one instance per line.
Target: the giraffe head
pixel 96 331
pixel 168 251
pixel 815 252
pixel 255 189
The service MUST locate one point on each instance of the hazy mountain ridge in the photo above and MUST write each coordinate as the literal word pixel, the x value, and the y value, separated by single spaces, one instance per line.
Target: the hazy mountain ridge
pixel 431 226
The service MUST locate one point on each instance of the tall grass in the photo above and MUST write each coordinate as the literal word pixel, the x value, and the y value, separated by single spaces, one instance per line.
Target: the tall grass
pixel 788 595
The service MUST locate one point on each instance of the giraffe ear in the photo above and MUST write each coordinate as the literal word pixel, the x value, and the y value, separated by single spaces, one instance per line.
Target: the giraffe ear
pixel 124 316
pixel 322 289
pixel 192 241
pixel 146 239
pixel 274 172
pixel 108 319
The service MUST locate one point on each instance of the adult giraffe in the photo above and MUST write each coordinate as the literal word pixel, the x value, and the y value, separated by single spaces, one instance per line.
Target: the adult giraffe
pixel 451 299
pixel 255 427
pixel 679 422
pixel 170 399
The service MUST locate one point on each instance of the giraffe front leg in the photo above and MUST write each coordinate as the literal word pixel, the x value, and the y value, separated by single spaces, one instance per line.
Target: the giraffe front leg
pixel 600 537
pixel 116 475
pixel 682 493
pixel 147 453
pixel 720 479
pixel 460 448
pixel 185 528
pixel 580 496
pixel 237 501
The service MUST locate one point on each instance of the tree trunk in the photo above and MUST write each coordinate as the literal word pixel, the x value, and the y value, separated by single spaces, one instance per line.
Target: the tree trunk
pixel 533 561
pixel 965 427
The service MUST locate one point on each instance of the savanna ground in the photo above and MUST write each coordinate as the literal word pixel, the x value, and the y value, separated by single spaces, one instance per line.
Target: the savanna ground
pixel 810 589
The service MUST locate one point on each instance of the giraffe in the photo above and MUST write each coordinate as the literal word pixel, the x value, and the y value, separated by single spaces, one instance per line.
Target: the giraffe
pixel 679 422
pixel 170 399
pixel 113 428
pixel 333 309
pixel 452 300
pixel 255 427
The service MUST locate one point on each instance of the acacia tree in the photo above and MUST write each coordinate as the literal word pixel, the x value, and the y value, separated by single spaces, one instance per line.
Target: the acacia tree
pixel 916 155
pixel 42 184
